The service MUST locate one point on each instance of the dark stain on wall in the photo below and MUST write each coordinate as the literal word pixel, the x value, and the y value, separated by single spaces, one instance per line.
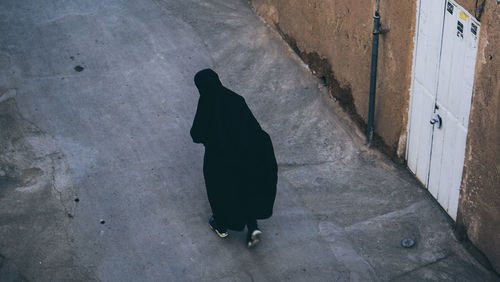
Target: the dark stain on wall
pixel 322 69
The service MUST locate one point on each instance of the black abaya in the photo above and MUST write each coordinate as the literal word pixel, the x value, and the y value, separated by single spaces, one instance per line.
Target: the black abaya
pixel 239 166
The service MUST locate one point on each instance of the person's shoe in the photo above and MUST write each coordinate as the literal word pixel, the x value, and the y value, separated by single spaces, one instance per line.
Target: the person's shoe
pixel 253 238
pixel 220 231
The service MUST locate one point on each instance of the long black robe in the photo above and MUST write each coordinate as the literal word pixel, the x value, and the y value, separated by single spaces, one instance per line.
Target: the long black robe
pixel 239 166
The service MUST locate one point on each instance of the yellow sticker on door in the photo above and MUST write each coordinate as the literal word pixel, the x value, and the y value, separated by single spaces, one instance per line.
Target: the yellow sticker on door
pixel 463 16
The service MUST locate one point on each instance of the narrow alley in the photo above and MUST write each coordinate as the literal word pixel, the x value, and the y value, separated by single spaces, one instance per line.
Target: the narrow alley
pixel 100 180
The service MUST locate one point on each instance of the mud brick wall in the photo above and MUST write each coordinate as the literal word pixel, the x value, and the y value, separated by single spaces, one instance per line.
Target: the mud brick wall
pixel 479 206
pixel 334 39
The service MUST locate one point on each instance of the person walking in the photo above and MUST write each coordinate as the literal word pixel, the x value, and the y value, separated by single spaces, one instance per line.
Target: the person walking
pixel 239 165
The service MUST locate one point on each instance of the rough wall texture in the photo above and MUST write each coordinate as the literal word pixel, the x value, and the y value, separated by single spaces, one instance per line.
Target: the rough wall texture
pixel 479 207
pixel 334 39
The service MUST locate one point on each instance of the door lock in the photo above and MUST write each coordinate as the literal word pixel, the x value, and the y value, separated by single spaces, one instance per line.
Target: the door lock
pixel 437 120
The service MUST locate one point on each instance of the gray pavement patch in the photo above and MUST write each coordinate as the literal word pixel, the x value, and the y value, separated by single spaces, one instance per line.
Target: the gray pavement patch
pixel 34 205
pixel 7 94
pixel 448 268
pixel 378 240
pixel 342 248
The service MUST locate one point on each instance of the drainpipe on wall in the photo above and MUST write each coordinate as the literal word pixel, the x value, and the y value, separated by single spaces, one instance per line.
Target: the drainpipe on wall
pixel 373 74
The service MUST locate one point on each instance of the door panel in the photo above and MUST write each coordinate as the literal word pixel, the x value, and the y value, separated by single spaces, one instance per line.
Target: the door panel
pixel 453 102
pixel 436 153
pixel 427 53
pixel 421 137
pixel 429 43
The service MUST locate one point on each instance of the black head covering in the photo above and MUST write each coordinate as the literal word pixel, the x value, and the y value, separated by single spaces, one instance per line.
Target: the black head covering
pixel 222 117
pixel 207 81
pixel 210 88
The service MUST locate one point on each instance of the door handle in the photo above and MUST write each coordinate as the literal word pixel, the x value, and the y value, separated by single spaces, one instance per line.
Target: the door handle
pixel 437 120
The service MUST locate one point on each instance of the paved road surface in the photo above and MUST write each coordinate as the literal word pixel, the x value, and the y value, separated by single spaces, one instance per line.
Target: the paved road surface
pixel 100 180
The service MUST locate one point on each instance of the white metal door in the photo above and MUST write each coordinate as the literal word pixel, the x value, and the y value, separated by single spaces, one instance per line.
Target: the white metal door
pixel 424 86
pixel 436 152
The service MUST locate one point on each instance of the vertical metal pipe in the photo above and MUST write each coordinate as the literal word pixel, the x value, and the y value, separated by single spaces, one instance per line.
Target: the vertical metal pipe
pixel 373 75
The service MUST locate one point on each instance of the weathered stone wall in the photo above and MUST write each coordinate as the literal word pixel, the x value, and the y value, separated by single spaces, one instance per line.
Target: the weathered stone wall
pixel 334 39
pixel 479 207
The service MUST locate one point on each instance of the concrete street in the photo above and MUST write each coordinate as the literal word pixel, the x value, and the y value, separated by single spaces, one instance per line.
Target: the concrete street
pixel 100 181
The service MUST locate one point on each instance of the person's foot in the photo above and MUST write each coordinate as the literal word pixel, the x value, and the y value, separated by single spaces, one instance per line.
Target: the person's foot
pixel 220 231
pixel 253 237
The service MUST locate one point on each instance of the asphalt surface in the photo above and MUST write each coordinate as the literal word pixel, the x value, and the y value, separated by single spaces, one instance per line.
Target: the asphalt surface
pixel 100 181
